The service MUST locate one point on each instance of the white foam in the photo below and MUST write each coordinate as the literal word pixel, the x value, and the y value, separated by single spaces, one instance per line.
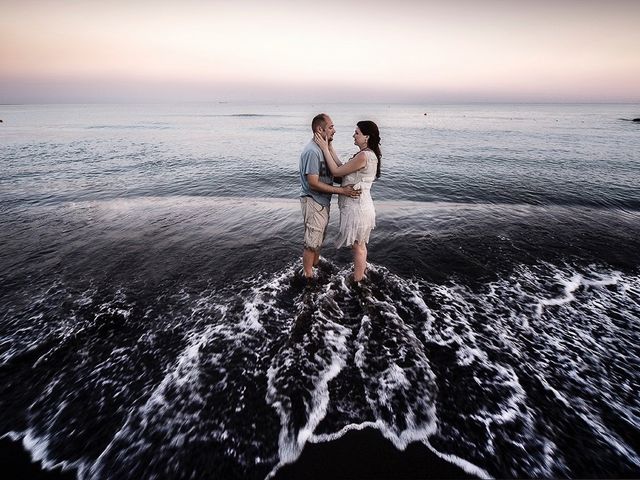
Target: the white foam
pixel 605 281
pixel 465 465
pixel 455 326
pixel 264 298
pixel 184 373
pixel 513 406
pixel 572 284
pixel 329 437
pixel 467 355
pixel 392 381
pixel 290 444
pixel 251 316
pixel 559 396
pixel 38 448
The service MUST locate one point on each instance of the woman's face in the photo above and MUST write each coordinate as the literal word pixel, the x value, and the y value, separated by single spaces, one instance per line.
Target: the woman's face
pixel 359 138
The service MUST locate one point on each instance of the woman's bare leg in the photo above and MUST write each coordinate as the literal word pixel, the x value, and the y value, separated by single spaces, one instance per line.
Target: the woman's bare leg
pixel 359 260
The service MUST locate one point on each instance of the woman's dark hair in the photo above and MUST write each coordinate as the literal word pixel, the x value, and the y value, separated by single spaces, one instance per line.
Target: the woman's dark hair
pixel 367 127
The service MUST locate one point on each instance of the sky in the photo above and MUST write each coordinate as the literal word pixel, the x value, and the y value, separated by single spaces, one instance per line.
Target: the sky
pixel 322 51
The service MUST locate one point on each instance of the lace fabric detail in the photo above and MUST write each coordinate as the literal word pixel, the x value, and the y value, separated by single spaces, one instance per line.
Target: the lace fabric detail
pixel 358 215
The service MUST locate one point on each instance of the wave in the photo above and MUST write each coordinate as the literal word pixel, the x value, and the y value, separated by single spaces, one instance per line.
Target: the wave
pixel 397 207
pixel 147 126
pixel 527 375
pixel 216 115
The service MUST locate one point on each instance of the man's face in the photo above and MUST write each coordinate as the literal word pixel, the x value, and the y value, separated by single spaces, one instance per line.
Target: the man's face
pixel 328 130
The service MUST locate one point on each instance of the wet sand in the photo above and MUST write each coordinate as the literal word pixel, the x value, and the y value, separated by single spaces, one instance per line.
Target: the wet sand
pixel 366 454
pixel 15 463
pixel 363 454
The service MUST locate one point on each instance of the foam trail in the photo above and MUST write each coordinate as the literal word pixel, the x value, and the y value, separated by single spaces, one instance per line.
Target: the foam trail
pixel 474 373
pixel 299 375
pixel 204 399
pixel 329 437
pixel 38 448
pixel 399 383
pixel 465 465
pixel 184 372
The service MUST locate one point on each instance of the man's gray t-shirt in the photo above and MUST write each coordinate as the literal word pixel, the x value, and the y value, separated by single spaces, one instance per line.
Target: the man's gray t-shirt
pixel 312 162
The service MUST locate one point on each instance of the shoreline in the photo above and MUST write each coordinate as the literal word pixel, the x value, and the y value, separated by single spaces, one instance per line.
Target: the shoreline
pixel 16 463
pixel 367 454
pixel 362 454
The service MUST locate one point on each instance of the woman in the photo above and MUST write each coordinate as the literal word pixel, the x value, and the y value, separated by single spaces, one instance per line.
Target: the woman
pixel 357 215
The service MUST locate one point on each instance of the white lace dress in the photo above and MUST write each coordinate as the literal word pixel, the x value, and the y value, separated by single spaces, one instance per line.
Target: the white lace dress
pixel 357 215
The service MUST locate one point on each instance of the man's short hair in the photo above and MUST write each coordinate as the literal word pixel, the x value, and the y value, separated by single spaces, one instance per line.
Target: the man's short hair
pixel 318 121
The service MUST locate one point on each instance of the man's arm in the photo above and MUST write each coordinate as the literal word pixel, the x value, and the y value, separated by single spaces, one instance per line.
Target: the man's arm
pixel 318 186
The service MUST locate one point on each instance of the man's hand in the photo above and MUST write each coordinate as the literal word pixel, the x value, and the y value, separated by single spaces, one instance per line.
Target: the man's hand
pixel 349 191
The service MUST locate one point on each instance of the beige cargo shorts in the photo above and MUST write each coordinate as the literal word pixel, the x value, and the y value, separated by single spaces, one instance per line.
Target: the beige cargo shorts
pixel 316 218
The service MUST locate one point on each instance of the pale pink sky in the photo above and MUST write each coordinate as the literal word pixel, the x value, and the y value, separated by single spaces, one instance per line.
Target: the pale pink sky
pixel 400 50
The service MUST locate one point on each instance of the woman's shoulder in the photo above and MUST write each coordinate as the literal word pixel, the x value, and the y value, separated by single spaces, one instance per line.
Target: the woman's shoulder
pixel 370 155
pixel 359 160
pixel 365 155
pixel 359 157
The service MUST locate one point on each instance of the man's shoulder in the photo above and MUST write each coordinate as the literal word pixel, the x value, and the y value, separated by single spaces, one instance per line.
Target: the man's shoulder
pixel 312 148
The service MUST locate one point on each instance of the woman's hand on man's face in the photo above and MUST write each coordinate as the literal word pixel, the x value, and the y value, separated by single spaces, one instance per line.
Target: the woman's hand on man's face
pixel 320 140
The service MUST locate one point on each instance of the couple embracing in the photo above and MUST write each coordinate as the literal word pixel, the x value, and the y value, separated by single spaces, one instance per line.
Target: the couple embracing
pixel 319 164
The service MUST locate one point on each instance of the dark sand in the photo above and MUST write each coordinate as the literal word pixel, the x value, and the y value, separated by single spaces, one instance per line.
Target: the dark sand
pixel 363 454
pixel 366 454
pixel 15 464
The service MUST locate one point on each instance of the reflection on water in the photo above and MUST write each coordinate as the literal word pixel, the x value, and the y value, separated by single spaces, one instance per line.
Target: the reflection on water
pixel 516 154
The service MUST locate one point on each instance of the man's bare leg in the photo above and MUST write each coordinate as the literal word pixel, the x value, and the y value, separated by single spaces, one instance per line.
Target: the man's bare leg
pixel 359 260
pixel 309 259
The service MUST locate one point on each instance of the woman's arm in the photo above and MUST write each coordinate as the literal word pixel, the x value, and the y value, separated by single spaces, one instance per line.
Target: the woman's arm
pixel 356 163
pixel 334 155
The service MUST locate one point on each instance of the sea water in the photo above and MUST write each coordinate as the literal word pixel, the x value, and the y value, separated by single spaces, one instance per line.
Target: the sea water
pixel 155 323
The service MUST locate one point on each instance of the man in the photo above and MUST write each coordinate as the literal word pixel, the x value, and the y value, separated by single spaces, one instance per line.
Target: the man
pixel 315 194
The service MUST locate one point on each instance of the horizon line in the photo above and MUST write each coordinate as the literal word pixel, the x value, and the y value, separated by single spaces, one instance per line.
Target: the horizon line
pixel 271 102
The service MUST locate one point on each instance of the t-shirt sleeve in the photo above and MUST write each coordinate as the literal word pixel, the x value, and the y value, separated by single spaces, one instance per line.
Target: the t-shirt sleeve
pixel 310 163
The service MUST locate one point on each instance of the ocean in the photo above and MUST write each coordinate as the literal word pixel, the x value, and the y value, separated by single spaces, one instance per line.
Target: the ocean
pixel 155 324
